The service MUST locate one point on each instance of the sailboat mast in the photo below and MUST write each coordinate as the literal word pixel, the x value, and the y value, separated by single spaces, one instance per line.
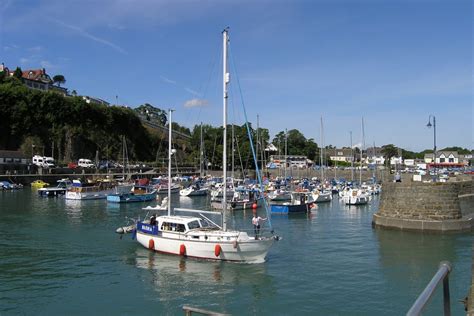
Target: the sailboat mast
pixel 169 160
pixel 286 149
pixel 361 150
pixel 200 155
pixel 258 140
pixel 352 160
pixel 226 79
pixel 233 149
pixel 321 152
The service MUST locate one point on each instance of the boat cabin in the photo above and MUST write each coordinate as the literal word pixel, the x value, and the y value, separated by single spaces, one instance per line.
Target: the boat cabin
pixel 179 224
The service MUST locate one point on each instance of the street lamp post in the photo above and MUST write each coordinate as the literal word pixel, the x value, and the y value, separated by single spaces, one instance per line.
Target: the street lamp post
pixel 434 138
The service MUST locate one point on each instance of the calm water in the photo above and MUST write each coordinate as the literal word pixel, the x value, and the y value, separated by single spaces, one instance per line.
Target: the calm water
pixel 61 257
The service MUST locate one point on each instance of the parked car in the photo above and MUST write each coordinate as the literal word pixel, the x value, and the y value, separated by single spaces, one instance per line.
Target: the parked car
pixel 72 165
pixel 85 163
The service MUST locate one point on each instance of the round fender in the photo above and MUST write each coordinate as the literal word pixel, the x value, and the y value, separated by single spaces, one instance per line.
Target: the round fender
pixel 217 250
pixel 151 244
pixel 182 250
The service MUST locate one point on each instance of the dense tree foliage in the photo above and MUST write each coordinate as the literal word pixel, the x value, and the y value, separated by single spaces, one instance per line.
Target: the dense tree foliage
pixel 75 128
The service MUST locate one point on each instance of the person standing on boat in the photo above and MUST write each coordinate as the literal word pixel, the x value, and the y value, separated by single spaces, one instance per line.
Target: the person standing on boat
pixel 256 224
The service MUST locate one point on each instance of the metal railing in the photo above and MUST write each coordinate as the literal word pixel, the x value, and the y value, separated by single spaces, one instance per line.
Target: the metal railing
pixel 441 275
pixel 188 310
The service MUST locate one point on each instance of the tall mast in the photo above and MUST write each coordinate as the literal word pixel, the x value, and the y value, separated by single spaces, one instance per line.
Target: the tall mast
pixel 170 111
pixel 201 153
pixel 352 160
pixel 226 79
pixel 286 149
pixel 258 140
pixel 361 151
pixel 321 152
pixel 233 149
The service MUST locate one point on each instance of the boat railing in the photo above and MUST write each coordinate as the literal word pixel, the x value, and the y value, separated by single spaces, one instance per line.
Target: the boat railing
pixel 441 275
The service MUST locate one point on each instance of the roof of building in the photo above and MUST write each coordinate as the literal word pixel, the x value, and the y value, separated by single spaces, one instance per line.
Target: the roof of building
pixel 12 154
pixel 340 152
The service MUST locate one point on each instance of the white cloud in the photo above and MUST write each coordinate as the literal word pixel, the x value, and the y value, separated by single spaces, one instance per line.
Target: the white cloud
pixel 167 80
pixel 195 103
pixel 90 36
pixel 192 91
pixel 47 64
pixel 10 47
pixel 35 49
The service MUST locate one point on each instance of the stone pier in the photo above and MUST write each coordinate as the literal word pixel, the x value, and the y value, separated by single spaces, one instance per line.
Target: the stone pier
pixel 426 206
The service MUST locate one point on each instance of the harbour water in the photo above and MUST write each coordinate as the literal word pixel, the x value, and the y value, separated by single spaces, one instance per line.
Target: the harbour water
pixel 60 257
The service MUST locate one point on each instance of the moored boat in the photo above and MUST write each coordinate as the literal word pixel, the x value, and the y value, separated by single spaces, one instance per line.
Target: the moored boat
pixel 60 189
pixel 139 193
pixel 300 202
pixel 93 191
pixel 37 184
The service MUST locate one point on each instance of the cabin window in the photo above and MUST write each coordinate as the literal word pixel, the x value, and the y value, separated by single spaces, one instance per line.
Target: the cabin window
pixel 441 159
pixel 193 225
pixel 451 159
pixel 166 226
pixel 180 228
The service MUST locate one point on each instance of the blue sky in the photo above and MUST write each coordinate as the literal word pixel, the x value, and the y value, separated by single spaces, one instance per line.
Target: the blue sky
pixel 392 62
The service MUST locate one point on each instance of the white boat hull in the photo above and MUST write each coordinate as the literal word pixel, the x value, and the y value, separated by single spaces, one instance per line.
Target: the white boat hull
pixel 71 195
pixel 239 248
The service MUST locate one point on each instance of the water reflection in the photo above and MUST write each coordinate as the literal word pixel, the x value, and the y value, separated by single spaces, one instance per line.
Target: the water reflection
pixel 172 276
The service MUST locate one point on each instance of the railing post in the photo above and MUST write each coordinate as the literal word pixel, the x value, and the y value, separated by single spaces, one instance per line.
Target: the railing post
pixel 446 296
pixel 442 274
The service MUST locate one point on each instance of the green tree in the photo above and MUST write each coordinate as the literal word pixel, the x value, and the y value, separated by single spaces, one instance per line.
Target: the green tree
pixel 460 150
pixel 59 79
pixel 18 73
pixel 389 151
pixel 31 146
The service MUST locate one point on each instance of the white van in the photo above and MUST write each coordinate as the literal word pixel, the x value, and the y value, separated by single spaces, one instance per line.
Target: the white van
pixel 38 160
pixel 48 162
pixel 85 163
pixel 43 162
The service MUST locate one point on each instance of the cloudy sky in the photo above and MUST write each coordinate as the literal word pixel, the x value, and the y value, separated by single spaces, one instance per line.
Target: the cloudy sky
pixel 393 62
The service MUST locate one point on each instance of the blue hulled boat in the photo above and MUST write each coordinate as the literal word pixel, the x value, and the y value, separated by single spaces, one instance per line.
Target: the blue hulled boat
pixel 139 193
pixel 301 202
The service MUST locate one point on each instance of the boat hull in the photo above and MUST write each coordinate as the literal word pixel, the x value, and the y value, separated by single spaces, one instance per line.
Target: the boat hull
pixel 93 195
pixel 131 198
pixel 289 209
pixel 49 192
pixel 248 251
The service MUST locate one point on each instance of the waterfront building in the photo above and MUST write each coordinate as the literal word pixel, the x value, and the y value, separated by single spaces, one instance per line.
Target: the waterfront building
pixel 295 161
pixel 342 154
pixel 12 160
pixel 374 156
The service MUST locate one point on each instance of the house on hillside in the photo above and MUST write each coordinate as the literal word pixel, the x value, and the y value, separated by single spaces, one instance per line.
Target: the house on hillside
pixel 343 154
pixel 374 156
pixel 36 79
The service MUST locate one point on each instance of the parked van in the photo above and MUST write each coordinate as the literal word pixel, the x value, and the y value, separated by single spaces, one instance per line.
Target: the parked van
pixel 85 163
pixel 38 160
pixel 48 162
pixel 43 162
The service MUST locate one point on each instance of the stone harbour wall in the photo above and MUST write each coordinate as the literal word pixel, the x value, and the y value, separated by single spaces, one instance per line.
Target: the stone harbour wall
pixel 426 206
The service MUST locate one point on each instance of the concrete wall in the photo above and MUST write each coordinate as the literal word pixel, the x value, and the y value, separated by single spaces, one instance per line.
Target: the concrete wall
pixel 426 206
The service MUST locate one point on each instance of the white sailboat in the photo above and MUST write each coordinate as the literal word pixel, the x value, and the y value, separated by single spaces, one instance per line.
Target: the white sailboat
pixel 198 236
